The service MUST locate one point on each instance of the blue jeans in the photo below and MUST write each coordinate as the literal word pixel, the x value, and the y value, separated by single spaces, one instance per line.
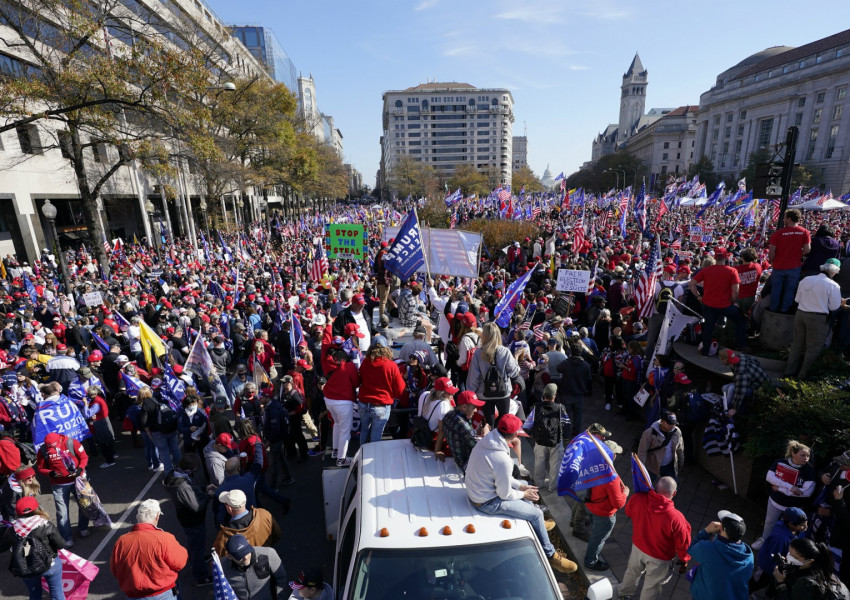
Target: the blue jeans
pixel 373 419
pixel 151 453
pixel 53 575
pixel 783 287
pixel 710 315
pixel 61 497
pixel 521 509
pixel 198 550
pixel 163 596
pixel 169 451
pixel 600 529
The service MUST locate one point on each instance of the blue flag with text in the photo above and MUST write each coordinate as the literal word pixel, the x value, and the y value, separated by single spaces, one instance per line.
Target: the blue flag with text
pixel 406 253
pixel 587 463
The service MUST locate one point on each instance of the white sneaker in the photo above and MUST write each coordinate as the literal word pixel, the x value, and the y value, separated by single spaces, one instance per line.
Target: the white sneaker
pixel 161 467
pixel 608 406
pixel 523 471
pixel 757 544
pixel 335 454
pixel 107 465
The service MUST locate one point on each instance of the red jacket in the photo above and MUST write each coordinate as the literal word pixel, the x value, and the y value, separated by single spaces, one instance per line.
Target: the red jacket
pixel 146 561
pixel 606 499
pixel 380 382
pixel 50 458
pixel 249 446
pixel 10 457
pixel 343 379
pixel 658 529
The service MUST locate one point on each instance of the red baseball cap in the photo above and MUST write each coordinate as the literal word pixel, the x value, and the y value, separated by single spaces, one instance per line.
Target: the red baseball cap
pixel 509 424
pixel 468 397
pixel 358 299
pixel 95 356
pixel 353 329
pixel 224 439
pixel 304 365
pixel 682 378
pixel 26 505
pixel 444 384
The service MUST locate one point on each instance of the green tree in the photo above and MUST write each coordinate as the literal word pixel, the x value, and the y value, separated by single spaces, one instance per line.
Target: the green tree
pixel 620 168
pixel 434 214
pixel 410 177
pixel 524 177
pixel 762 155
pixel 469 180
pixel 705 169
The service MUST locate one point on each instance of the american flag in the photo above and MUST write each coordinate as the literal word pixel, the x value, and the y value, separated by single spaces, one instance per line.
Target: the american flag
pixel 602 222
pixel 624 203
pixel 578 240
pixel 538 331
pixel 535 211
pixel 640 207
pixel 645 291
pixel 504 195
pixel 591 283
pixel 221 587
pixel 319 266
pixel 774 204
pixel 453 222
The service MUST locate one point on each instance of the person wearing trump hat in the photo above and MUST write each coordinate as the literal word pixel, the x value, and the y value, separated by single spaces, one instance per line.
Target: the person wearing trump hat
pixel 492 489
pixel 311 585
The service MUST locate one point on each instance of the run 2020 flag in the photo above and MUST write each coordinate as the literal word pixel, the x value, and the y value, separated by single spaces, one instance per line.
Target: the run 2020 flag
pixel 58 416
pixel 406 255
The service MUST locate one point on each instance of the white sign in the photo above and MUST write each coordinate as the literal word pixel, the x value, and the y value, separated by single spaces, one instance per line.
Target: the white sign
pixel 449 251
pixel 92 299
pixel 572 281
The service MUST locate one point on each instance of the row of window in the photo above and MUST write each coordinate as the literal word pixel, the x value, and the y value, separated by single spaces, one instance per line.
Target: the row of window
pixel 803 63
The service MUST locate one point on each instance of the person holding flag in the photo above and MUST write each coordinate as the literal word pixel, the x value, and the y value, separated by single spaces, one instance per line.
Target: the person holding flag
pixel 660 533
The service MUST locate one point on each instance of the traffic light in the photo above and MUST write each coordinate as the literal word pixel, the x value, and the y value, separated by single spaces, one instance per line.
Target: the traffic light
pixel 768 183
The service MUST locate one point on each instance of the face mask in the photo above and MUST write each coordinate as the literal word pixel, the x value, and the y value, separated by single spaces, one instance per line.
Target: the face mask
pixel 191 410
pixel 792 560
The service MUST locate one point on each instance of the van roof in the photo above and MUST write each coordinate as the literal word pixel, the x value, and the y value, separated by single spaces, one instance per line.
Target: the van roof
pixel 404 489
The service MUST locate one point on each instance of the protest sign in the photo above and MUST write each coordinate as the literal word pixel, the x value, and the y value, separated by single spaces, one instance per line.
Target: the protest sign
pixel 58 416
pixel 572 281
pixel 92 299
pixel 345 240
pixel 77 575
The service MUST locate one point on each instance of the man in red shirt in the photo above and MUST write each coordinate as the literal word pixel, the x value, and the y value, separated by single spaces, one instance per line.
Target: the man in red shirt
pixel 749 271
pixel 603 502
pixel 788 247
pixel 720 287
pixel 660 533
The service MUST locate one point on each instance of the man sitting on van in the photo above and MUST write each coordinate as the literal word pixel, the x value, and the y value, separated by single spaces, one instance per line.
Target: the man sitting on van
pixel 492 489
pixel 458 430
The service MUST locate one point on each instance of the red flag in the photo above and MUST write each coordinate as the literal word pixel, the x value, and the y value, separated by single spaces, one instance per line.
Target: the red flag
pixel 662 209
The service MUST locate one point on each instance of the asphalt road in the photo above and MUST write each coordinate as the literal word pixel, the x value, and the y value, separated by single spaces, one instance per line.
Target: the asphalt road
pixel 123 486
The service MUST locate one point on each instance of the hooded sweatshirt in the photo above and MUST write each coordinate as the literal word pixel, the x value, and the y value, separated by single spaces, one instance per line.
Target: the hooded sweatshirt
pixel 724 568
pixel 658 529
pixel 215 463
pixel 777 542
pixel 489 471
pixel 190 498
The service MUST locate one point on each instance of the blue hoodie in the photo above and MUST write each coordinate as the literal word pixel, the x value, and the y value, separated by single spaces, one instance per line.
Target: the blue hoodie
pixel 724 569
pixel 777 542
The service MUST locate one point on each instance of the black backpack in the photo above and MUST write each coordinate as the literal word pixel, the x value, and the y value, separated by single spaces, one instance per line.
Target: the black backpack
pixel 546 430
pixel 166 418
pixel 497 385
pixel 30 557
pixel 275 422
pixel 420 431
pixel 27 452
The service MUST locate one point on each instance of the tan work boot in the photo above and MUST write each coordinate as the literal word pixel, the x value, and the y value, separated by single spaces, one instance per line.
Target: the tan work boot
pixel 561 563
pixel 550 524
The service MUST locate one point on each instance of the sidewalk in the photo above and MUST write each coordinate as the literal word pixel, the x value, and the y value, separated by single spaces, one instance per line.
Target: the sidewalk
pixel 698 498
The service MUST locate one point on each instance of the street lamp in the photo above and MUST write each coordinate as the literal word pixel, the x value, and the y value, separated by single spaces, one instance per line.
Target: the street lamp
pixel 623 169
pixel 616 177
pixel 202 206
pixel 50 213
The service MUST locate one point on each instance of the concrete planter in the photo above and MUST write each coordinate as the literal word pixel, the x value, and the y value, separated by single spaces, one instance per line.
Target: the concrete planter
pixel 721 469
pixel 777 331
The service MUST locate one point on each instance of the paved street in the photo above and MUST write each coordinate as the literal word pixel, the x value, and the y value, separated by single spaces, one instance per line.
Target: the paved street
pixel 303 541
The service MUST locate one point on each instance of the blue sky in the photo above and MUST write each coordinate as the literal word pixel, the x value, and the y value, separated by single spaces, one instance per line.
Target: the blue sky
pixel 563 60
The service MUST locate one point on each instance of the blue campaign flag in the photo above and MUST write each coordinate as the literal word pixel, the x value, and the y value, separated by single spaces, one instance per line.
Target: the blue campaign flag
pixel 101 343
pixel 712 200
pixel 120 319
pixel 640 207
pixel 406 254
pixel 505 308
pixel 296 334
pixel 163 236
pixel 174 390
pixel 59 415
pixel 132 385
pixel 30 289
pixel 641 481
pixel 560 176
pixel 587 463
pixel 227 253
pixel 200 363
pixel 453 197
pixel 742 201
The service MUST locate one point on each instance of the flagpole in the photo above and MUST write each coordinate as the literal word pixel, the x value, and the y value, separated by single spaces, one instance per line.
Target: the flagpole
pixel 424 252
pixel 507 302
pixel 731 453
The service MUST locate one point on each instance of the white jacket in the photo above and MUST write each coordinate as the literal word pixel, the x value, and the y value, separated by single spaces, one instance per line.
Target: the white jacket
pixel 488 473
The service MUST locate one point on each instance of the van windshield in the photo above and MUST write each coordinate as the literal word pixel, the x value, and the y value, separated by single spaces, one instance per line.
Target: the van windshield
pixel 512 570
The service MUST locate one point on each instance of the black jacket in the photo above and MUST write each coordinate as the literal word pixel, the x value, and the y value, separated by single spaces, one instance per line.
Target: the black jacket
pixel 576 380
pixel 47 533
pixel 190 498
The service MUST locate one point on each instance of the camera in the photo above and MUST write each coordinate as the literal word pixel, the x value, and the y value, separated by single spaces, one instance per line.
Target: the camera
pixel 781 563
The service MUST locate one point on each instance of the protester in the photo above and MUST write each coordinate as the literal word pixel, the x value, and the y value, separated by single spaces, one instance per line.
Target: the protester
pixel 546 425
pixel 725 562
pixel 147 560
pixel 459 431
pixel 491 373
pixel 311 585
pixel 253 571
pixel 603 502
pixel 380 384
pixel 63 459
pixel 661 447
pixel 788 246
pixel 257 524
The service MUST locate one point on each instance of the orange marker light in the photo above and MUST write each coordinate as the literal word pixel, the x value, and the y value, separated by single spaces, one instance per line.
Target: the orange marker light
pixel 470 528
pixel 384 532
pixel 422 532
pixel 506 524
pixel 447 530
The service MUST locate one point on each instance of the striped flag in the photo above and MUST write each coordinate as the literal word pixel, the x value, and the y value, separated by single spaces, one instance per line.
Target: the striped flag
pixel 645 290
pixel 221 587
pixel 319 267
pixel 538 331
pixel 591 283
pixel 578 240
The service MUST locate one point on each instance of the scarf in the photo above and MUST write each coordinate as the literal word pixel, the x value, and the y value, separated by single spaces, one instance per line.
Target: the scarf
pixel 25 525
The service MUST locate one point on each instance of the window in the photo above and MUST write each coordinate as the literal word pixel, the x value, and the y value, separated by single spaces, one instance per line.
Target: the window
pixel 729 117
pixel 666 145
pixel 765 131
pixel 678 155
pixel 664 156
pixel 740 130
pixel 714 134
pixel 841 93
pixel 717 119
pixel 728 132
pixel 663 169
pixel 802 64
pixel 813 138
pixel 737 158
pixel 742 115
pixel 798 119
pixel 801 102
pixel 830 144
pixel 680 145
pixel 836 112
pixel 820 58
pixel 817 115
pixel 65 144
pixel 819 97
pixel 725 147
pixel 28 139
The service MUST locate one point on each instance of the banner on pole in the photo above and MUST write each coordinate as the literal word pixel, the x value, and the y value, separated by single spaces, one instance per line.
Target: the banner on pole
pixel 450 251
pixel 572 281
pixel 345 240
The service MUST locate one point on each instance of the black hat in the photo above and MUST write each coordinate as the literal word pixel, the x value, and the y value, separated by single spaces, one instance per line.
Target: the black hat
pixel 310 577
pixel 238 547
pixel 669 417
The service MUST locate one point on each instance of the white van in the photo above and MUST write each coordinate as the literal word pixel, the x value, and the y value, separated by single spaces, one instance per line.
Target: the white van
pixel 408 532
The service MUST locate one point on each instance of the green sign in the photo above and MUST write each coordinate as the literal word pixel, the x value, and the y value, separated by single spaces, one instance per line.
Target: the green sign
pixel 345 240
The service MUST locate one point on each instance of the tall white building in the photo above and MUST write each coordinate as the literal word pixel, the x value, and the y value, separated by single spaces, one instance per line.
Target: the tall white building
pixel 520 152
pixel 33 163
pixel 448 124
pixel 752 105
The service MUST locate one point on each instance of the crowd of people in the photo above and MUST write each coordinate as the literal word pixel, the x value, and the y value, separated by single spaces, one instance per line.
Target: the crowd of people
pixel 222 361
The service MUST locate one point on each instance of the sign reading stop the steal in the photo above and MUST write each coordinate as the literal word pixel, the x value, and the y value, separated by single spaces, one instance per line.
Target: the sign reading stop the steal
pixel 343 240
